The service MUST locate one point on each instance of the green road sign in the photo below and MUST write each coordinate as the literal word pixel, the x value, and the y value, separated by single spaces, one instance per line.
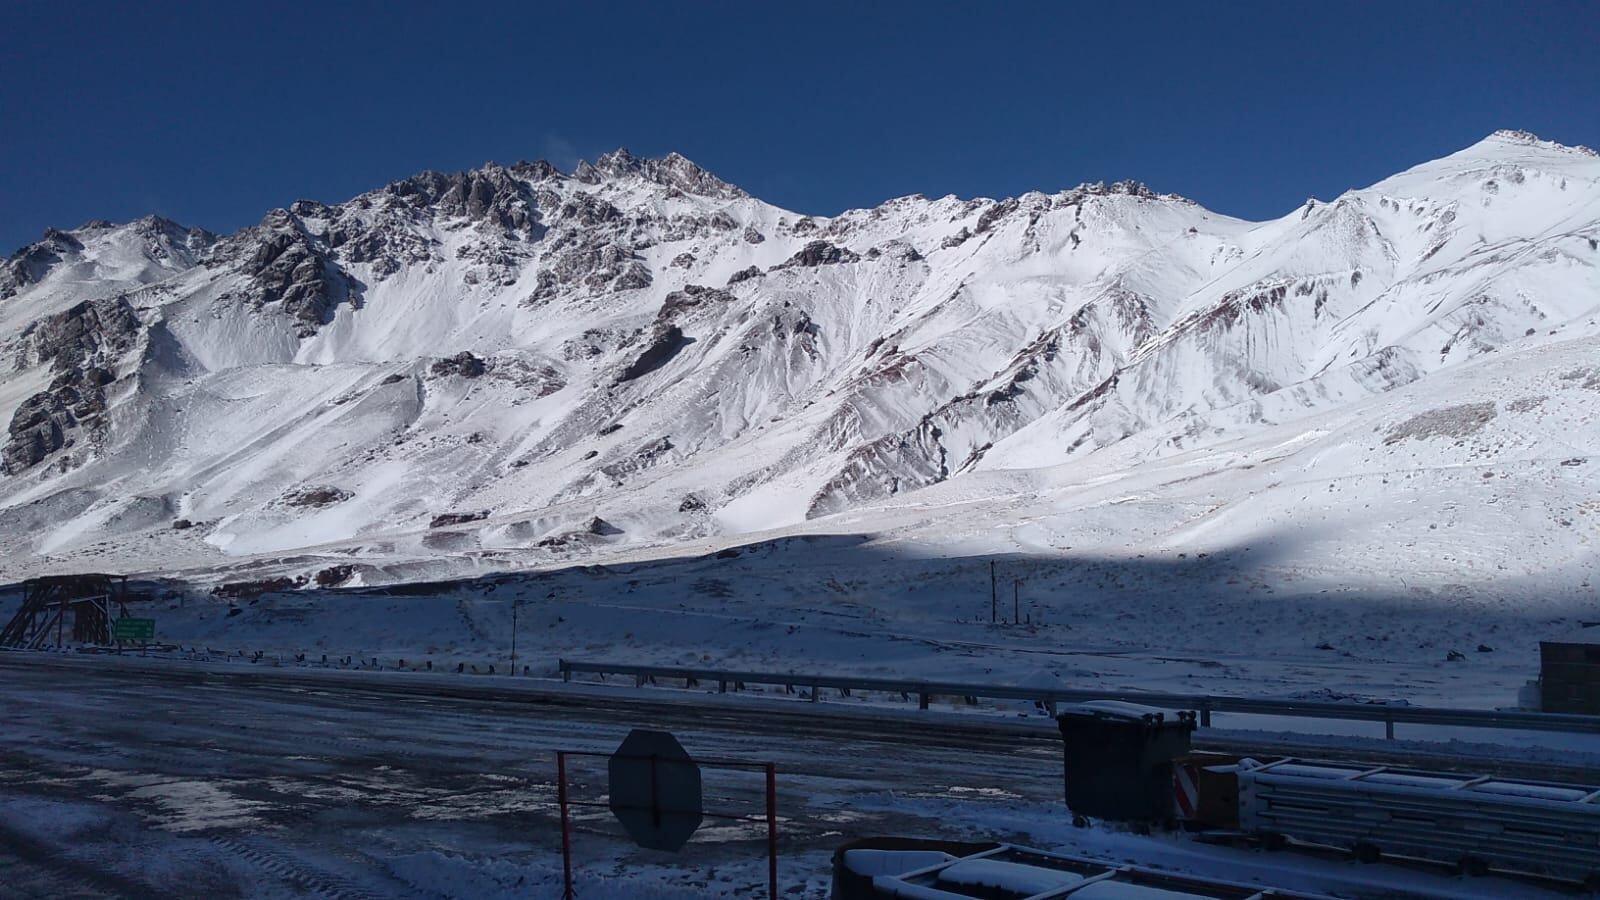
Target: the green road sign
pixel 133 629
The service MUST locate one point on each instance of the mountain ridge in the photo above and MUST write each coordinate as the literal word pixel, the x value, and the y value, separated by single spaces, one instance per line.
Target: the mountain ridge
pixel 641 343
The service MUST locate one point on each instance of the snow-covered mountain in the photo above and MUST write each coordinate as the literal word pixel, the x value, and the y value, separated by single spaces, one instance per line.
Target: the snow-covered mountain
pixel 516 366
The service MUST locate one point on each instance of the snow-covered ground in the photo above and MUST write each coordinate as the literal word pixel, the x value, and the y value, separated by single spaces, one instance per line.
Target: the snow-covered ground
pixel 145 781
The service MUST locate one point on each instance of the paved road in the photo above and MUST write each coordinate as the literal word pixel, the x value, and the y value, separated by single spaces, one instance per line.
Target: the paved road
pixel 169 780
pixel 129 783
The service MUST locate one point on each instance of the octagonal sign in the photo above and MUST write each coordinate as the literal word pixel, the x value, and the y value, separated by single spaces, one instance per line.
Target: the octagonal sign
pixel 655 790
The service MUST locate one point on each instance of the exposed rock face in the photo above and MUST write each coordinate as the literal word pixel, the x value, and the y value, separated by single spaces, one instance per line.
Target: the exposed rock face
pixel 588 262
pixel 896 250
pixel 30 264
pixel 995 213
pixel 663 344
pixel 1125 188
pixel 672 171
pixel 490 194
pixel 92 332
pixel 290 268
pixel 957 239
pixel 81 345
pixel 387 249
pixel 163 245
pixel 168 241
pixel 333 576
pixel 445 520
pixel 744 274
pixel 316 497
pixel 692 297
pixel 820 253
pixel 464 364
pixel 242 590
pixel 38 429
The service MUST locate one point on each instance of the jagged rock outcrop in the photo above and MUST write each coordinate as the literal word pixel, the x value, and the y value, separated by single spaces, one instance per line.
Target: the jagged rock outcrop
pixel 489 195
pixel 316 497
pixel 82 347
pixel 820 253
pixel 29 265
pixel 662 344
pixel 150 248
pixel 690 298
pixel 465 364
pixel 744 274
pixel 672 171
pixel 92 332
pixel 445 520
pixel 289 268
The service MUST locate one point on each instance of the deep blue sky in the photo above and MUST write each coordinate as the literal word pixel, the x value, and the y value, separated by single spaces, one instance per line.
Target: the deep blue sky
pixel 213 113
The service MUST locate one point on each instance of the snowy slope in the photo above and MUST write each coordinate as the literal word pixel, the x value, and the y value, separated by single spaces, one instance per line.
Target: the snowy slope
pixel 518 367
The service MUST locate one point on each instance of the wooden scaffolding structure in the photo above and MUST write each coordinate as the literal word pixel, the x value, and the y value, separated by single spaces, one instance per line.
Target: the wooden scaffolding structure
pixel 49 601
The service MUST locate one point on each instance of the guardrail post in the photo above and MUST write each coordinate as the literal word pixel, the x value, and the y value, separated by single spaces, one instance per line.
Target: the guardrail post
pixel 1205 715
pixel 816 693
pixel 1388 727
pixel 922 700
pixel 722 685
pixel 566 670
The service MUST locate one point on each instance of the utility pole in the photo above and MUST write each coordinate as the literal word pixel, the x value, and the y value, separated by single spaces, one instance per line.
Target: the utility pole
pixel 514 604
pixel 993 596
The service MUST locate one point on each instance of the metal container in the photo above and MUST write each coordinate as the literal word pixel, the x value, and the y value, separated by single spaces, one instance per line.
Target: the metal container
pixel 1118 759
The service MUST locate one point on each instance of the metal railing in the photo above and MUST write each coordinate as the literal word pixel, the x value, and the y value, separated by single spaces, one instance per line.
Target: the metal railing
pixel 1204 704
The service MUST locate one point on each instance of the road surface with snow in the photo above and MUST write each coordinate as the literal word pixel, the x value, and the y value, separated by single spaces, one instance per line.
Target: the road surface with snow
pixel 168 780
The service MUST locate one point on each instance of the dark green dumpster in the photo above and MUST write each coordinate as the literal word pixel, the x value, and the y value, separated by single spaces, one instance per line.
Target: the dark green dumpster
pixel 1118 760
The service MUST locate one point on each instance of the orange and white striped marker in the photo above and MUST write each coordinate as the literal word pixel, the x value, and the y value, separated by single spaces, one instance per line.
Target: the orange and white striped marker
pixel 1185 789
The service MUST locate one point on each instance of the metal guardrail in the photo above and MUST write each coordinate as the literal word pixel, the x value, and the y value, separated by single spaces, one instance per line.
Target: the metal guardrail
pixel 1205 704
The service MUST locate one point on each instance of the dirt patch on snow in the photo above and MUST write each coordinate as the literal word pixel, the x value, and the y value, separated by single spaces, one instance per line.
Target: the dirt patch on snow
pixel 1586 378
pixel 1461 421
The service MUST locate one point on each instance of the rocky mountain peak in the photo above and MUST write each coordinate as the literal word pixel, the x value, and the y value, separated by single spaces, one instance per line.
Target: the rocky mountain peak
pixel 1515 136
pixel 1518 137
pixel 1124 188
pixel 155 239
pixel 490 194
pixel 159 229
pixel 535 170
pixel 673 171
